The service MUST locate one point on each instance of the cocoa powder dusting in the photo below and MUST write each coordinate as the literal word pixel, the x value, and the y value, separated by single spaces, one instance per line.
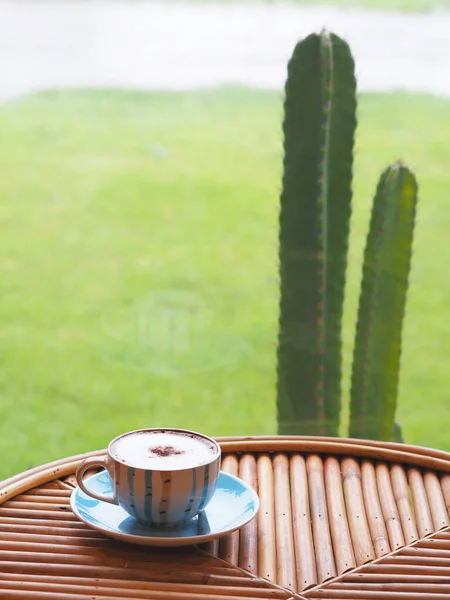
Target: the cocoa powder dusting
pixel 165 451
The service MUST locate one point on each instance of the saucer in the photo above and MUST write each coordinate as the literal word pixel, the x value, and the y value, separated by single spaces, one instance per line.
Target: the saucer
pixel 233 505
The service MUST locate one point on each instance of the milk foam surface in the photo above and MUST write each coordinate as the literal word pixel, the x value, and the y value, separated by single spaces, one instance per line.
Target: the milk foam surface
pixel 163 450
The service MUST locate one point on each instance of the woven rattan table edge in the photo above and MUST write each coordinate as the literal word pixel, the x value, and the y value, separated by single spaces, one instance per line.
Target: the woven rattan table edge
pixel 418 456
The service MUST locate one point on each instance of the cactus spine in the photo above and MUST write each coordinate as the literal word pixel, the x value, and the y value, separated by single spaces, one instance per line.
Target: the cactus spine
pixel 387 260
pixel 319 128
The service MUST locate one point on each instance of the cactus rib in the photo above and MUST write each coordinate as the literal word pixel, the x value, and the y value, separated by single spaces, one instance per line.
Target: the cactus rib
pixel 339 177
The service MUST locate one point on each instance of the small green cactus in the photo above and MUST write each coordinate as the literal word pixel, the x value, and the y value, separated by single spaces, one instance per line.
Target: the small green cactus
pixel 319 128
pixel 387 259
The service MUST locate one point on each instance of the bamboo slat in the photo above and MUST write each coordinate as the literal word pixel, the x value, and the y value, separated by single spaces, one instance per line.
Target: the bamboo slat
pixel 396 587
pixel 407 569
pixel 373 508
pixel 325 564
pixel 127 573
pixel 38 500
pixel 42 505
pixel 18 591
pixel 389 507
pixel 436 500
pixel 401 495
pixel 340 533
pixel 51 538
pixel 423 513
pixel 266 519
pixel 334 594
pixel 445 486
pixel 65 514
pixel 229 545
pixel 359 528
pixel 435 542
pixel 45 491
pixel 301 522
pixel 117 584
pixel 286 569
pixel 248 537
pixel 361 578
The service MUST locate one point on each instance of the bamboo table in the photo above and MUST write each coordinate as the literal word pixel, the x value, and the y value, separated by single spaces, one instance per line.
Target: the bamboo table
pixel 339 519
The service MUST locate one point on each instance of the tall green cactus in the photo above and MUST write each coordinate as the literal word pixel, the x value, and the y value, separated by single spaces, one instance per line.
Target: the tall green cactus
pixel 387 260
pixel 319 128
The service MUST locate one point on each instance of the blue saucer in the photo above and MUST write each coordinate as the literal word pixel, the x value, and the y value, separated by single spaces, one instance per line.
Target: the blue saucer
pixel 233 505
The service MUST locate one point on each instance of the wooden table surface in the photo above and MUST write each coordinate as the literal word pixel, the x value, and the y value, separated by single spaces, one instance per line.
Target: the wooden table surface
pixel 339 519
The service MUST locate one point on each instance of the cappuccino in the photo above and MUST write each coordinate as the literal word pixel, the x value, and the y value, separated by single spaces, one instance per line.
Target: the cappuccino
pixel 163 450
pixel 160 477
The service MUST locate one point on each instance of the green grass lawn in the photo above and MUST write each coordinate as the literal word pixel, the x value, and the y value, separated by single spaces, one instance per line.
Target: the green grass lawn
pixel 138 264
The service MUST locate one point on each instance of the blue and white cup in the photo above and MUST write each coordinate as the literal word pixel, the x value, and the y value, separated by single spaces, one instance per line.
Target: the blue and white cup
pixel 157 496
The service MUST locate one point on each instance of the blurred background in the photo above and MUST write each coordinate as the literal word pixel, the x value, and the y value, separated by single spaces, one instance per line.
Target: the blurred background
pixel 140 161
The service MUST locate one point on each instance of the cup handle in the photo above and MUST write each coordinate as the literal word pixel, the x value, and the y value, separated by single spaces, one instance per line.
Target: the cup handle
pixel 87 464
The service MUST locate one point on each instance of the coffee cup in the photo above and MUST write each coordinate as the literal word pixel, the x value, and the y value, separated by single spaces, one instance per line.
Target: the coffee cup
pixel 161 477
